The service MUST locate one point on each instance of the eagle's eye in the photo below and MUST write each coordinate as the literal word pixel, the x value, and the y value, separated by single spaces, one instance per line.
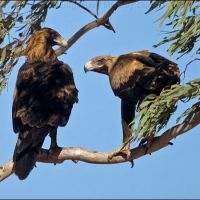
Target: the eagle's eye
pixel 55 35
pixel 100 61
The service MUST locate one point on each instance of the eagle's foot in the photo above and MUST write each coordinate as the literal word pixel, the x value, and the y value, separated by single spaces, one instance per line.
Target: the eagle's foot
pixel 120 152
pixel 126 153
pixel 53 148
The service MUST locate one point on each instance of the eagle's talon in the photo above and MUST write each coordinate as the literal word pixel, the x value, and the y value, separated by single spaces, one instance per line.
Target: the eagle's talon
pixel 132 163
pixel 120 151
pixel 75 161
pixel 170 143
pixel 53 148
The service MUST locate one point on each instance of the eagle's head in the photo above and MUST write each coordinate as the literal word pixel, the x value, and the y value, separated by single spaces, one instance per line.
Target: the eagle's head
pixel 100 64
pixel 50 36
pixel 40 43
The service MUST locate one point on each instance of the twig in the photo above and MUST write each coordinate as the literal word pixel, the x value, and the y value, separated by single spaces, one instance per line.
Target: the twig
pixel 97 8
pixel 184 72
pixel 83 7
pixel 100 21
pixel 89 156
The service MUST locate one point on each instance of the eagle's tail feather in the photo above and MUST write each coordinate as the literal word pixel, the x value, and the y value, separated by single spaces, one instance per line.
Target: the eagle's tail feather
pixel 25 162
pixel 25 154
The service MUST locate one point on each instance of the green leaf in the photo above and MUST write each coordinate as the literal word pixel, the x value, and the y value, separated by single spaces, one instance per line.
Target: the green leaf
pixel 154 5
pixel 20 19
pixel 153 117
pixel 3 55
pixel 184 24
pixel 53 3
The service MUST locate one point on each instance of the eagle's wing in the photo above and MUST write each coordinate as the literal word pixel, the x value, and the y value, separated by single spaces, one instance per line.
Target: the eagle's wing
pixel 142 71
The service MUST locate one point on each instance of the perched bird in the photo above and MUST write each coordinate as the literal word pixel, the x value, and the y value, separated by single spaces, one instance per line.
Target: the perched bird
pixel 132 77
pixel 44 96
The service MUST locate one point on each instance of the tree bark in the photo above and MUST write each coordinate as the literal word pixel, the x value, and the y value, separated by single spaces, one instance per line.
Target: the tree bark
pixel 90 156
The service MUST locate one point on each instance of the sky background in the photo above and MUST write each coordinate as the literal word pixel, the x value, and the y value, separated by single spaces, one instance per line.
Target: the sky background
pixel 95 122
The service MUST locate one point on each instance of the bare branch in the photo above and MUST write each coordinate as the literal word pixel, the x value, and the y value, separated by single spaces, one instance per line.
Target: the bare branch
pixel 100 21
pixel 83 7
pixel 189 63
pixel 89 156
pixel 104 21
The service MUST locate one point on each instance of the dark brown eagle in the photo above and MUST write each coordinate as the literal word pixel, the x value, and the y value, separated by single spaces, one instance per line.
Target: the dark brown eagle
pixel 132 77
pixel 43 100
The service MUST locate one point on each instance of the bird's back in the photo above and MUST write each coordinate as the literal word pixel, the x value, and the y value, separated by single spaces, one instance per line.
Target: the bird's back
pixel 45 94
pixel 138 73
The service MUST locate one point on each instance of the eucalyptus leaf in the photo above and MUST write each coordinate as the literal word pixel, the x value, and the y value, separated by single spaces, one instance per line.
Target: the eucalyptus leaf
pixel 3 55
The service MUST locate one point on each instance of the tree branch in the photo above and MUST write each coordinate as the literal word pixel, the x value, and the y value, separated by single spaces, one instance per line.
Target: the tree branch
pixel 89 156
pixel 104 21
pixel 189 63
pixel 100 21
pixel 83 7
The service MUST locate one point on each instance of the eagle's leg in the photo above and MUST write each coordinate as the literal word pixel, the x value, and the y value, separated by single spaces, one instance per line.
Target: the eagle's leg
pixel 127 114
pixel 124 150
pixel 53 136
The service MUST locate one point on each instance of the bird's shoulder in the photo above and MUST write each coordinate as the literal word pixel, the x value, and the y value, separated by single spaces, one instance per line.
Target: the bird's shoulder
pixel 129 66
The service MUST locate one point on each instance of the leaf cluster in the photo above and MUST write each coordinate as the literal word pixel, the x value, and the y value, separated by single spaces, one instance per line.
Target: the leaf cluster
pixel 183 20
pixel 155 111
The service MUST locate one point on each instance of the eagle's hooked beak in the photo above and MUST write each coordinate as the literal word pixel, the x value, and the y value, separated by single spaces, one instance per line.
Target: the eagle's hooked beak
pixel 88 67
pixel 60 41
pixel 96 66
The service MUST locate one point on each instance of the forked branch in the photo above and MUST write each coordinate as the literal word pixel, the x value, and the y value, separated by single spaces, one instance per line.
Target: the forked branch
pixel 104 20
pixel 89 156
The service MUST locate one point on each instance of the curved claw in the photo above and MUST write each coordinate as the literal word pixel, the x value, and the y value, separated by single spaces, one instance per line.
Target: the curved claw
pixel 132 163
pixel 75 161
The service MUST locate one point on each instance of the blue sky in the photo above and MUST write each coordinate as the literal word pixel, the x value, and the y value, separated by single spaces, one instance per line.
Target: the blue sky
pixel 172 172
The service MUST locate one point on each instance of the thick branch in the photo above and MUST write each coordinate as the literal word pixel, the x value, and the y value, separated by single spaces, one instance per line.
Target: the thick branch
pixel 101 21
pixel 89 156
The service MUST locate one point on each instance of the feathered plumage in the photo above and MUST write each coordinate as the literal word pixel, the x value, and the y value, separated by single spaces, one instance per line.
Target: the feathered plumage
pixel 132 77
pixel 44 97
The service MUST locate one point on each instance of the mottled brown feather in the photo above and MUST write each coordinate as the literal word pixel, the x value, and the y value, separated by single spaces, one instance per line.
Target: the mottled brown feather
pixel 39 48
pixel 142 70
